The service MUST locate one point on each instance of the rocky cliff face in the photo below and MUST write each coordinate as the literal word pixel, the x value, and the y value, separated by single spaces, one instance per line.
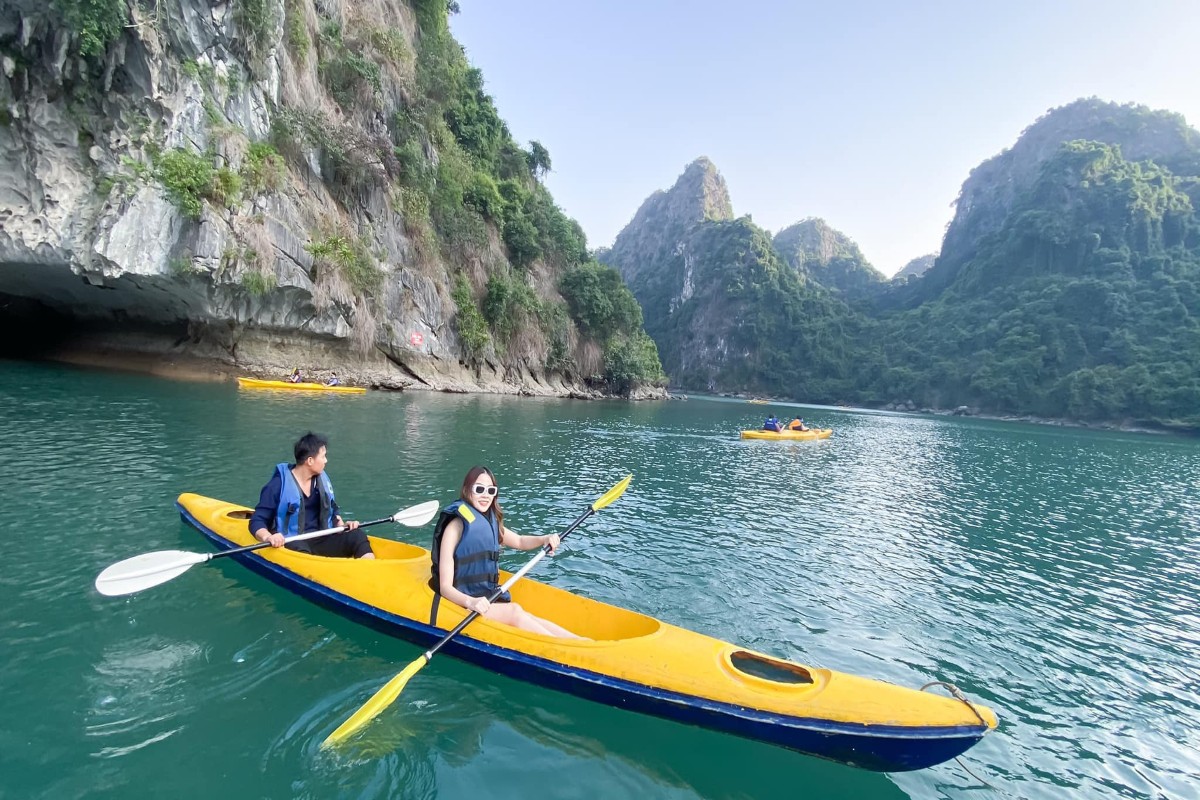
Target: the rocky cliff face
pixel 827 256
pixel 725 311
pixel 139 195
pixel 699 194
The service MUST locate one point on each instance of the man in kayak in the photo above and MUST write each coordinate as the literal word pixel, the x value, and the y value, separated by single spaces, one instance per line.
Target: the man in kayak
pixel 333 380
pixel 466 556
pixel 773 424
pixel 299 498
pixel 797 424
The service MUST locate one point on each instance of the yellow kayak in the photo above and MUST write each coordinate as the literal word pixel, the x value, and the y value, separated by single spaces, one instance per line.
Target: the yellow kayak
pixel 633 661
pixel 814 433
pixel 255 383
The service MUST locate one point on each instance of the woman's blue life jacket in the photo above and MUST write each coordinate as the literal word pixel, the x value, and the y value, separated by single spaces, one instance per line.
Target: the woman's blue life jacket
pixel 289 514
pixel 477 556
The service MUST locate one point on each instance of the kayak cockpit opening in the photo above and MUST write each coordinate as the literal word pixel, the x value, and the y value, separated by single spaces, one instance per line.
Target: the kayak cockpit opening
pixel 754 665
pixel 239 514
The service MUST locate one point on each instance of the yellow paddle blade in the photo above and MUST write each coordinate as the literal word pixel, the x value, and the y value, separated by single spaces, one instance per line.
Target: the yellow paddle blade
pixel 612 494
pixel 373 707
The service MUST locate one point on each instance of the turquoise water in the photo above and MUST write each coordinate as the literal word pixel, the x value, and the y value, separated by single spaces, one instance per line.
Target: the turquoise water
pixel 1051 573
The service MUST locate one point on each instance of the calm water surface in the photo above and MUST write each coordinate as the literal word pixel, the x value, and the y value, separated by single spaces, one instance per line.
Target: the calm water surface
pixel 1050 573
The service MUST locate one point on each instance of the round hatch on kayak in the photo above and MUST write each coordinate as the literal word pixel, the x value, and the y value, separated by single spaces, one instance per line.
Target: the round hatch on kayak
pixel 777 672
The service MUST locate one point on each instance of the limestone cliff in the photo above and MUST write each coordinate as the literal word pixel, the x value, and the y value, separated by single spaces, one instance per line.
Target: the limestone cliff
pixel 699 194
pixel 725 311
pixel 276 183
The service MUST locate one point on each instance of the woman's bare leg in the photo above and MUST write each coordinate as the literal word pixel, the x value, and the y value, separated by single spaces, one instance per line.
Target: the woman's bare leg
pixel 555 630
pixel 513 614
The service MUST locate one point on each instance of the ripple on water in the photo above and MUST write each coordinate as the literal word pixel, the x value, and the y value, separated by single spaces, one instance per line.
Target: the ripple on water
pixel 1049 573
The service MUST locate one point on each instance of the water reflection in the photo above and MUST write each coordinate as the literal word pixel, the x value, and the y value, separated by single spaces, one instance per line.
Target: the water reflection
pixel 1050 573
pixel 463 725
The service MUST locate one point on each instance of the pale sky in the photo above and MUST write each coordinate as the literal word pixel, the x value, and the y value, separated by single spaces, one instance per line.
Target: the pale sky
pixel 867 114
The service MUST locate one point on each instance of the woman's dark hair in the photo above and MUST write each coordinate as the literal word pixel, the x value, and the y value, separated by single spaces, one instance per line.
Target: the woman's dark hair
pixel 465 492
pixel 308 446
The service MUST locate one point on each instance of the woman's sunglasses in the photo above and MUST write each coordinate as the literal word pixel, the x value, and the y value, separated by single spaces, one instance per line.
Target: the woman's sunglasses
pixel 479 488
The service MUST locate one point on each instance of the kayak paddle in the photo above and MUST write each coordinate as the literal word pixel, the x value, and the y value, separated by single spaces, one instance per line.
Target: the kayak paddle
pixel 391 690
pixel 151 569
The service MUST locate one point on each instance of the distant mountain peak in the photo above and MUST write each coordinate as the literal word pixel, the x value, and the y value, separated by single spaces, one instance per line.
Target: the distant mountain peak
pixel 702 184
pixel 817 240
pixel 820 252
pixel 916 268
pixel 699 194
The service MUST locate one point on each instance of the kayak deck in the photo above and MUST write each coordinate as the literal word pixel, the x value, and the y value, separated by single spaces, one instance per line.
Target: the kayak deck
pixel 256 383
pixel 789 435
pixel 632 661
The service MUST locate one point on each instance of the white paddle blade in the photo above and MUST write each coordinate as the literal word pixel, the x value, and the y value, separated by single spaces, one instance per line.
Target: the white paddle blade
pixel 148 569
pixel 418 515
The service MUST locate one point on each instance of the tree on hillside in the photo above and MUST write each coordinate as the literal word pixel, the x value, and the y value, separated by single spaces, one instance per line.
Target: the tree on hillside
pixel 539 159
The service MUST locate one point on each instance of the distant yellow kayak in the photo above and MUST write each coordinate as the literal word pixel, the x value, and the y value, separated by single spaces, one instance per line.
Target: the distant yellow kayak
pixel 255 383
pixel 814 433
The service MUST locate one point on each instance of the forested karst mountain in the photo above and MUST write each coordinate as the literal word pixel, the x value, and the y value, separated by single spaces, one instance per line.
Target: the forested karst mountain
pixel 830 257
pixel 993 188
pixel 285 182
pixel 724 309
pixel 1068 285
pixel 1084 303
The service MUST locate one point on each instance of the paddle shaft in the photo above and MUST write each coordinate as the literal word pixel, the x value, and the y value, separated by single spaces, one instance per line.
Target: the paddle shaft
pixel 429 654
pixel 298 538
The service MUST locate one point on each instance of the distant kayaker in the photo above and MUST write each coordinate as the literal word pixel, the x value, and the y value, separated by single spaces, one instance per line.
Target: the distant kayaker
pixel 797 424
pixel 333 380
pixel 295 377
pixel 466 555
pixel 773 424
pixel 298 499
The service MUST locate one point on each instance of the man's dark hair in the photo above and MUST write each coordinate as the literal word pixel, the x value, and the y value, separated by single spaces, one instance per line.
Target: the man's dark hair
pixel 308 446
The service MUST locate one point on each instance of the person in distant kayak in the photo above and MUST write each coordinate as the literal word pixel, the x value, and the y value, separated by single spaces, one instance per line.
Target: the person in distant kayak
pixel 466 555
pixel 773 424
pixel 333 380
pixel 797 424
pixel 298 499
pixel 295 377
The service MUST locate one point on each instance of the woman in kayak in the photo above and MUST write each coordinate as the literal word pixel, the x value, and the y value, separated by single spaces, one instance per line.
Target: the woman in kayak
pixel 466 555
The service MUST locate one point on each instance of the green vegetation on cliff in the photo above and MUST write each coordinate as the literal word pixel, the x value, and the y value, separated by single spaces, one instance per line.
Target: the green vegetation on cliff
pixel 1085 303
pixel 1071 290
pixel 483 181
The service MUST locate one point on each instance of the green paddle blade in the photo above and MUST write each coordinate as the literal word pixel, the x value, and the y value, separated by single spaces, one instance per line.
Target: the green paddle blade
pixel 378 702
pixel 612 494
pixel 148 569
